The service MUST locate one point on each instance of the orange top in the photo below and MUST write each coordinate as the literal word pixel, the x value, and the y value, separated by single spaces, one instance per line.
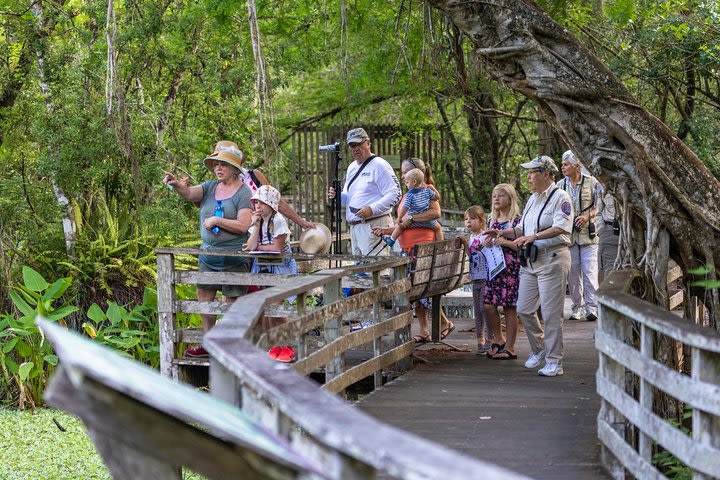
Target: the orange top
pixel 412 236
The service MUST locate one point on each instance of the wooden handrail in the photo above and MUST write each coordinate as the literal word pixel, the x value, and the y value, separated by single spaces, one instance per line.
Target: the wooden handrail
pixel 621 318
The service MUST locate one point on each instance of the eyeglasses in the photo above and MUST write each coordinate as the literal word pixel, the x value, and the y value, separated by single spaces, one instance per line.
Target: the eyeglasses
pixel 535 170
pixel 355 144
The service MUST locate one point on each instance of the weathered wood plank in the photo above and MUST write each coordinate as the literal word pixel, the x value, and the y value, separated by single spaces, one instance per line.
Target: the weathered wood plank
pixel 189 335
pixel 351 340
pixel 677 297
pixel 624 452
pixel 260 279
pixel 702 395
pixel 136 407
pixel 663 321
pixel 697 456
pixel 365 369
pixel 366 263
pixel 322 314
pixel 166 314
pixel 674 273
pixel 326 420
pixel 705 426
pixel 230 278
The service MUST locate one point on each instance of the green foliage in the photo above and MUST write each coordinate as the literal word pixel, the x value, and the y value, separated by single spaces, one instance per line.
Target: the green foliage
pixel 26 358
pixel 133 333
pixel 36 449
pixel 705 271
pixel 668 463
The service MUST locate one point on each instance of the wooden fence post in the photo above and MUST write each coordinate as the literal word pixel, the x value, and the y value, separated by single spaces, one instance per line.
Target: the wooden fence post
pixel 377 342
pixel 705 426
pixel 332 292
pixel 647 338
pixel 400 304
pixel 610 322
pixel 166 313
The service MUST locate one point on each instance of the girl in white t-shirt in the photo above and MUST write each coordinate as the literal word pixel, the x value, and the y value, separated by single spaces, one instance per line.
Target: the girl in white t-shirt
pixel 269 231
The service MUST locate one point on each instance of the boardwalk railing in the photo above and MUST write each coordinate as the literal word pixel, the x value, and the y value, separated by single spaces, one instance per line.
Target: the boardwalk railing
pixel 284 425
pixel 626 414
pixel 436 268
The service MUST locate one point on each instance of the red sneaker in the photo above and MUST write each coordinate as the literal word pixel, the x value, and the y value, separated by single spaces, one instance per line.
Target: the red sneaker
pixel 287 355
pixel 274 352
pixel 198 351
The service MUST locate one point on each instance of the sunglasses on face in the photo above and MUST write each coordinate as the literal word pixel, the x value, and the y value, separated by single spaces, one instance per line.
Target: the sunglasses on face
pixel 355 144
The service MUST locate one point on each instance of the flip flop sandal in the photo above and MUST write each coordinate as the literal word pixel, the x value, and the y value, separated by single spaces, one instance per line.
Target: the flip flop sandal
pixel 504 355
pixel 447 330
pixel 495 347
pixel 421 338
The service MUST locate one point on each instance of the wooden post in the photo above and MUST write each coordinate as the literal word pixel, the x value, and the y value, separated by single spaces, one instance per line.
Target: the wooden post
pixel 377 342
pixel 224 384
pixel 129 462
pixel 400 304
pixel 435 318
pixel 333 328
pixel 166 313
pixel 705 426
pixel 647 337
pixel 301 343
pixel 610 322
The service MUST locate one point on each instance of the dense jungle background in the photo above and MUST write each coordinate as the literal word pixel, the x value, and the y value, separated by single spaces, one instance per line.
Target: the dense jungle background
pixel 98 98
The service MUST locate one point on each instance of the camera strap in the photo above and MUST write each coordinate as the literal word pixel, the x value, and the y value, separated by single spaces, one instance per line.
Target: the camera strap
pixel 537 227
pixel 360 170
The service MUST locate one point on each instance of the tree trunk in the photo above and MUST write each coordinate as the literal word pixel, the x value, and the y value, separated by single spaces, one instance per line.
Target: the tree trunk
pixel 67 212
pixel 634 154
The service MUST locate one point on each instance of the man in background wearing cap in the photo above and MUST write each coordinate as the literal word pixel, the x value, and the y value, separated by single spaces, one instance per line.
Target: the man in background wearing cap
pixel 583 279
pixel 542 238
pixel 370 192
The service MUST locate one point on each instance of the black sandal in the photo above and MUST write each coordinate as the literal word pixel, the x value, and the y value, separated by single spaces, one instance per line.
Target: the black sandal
pixel 503 354
pixel 497 348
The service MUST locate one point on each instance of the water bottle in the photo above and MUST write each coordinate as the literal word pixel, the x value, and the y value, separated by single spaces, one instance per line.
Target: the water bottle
pixel 219 212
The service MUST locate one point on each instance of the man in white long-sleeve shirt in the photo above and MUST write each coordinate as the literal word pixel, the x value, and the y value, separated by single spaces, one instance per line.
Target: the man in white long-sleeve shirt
pixel 370 192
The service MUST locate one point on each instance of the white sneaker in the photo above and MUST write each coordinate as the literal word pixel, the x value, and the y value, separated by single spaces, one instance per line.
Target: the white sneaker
pixel 551 370
pixel 535 359
pixel 578 313
pixel 591 314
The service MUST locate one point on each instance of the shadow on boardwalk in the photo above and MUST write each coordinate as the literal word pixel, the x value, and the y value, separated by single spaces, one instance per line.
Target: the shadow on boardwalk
pixel 500 412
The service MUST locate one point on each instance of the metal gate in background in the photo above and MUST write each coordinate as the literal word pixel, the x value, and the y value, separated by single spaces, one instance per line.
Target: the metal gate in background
pixel 313 171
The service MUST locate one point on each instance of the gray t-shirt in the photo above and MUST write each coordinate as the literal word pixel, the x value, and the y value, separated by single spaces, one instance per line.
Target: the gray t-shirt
pixel 224 240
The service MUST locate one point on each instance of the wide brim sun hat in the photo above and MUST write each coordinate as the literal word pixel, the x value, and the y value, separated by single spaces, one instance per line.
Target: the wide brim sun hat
pixel 316 240
pixel 268 195
pixel 231 156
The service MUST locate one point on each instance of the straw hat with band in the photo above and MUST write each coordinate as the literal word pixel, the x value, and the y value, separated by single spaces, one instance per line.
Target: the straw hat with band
pixel 231 157
pixel 316 240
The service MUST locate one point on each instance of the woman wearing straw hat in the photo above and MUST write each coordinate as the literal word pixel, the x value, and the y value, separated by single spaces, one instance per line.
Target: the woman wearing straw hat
pixel 255 179
pixel 226 232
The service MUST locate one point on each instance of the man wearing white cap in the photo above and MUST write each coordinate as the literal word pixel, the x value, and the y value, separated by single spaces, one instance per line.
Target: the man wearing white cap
pixel 583 280
pixel 542 238
pixel 370 192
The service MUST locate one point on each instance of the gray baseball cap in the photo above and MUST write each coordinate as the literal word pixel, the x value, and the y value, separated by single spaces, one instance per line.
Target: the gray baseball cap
pixel 543 162
pixel 357 135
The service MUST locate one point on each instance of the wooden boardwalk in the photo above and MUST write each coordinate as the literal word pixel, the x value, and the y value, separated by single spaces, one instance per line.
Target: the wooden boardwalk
pixel 500 412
